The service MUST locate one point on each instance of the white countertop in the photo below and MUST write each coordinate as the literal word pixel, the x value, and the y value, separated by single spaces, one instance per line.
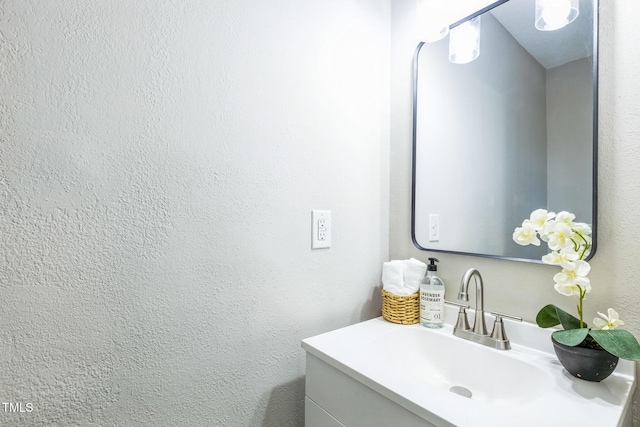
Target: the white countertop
pixel 559 399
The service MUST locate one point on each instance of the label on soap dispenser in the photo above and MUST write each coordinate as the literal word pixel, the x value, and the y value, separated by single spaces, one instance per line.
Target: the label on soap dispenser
pixel 431 306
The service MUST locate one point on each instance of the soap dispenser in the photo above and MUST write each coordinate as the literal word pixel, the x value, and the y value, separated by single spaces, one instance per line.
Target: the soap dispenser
pixel 432 297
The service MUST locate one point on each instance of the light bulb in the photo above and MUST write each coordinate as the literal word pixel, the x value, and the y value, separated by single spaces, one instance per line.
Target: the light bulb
pixel 555 14
pixel 464 42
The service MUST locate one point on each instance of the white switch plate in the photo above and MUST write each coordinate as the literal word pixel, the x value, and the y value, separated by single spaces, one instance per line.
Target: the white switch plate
pixel 320 229
pixel 434 227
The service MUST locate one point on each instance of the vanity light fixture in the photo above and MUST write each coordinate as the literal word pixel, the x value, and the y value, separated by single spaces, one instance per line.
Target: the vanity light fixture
pixel 554 14
pixel 431 23
pixel 464 41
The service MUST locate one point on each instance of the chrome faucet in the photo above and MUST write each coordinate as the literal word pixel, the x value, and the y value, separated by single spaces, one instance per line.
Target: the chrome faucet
pixel 479 325
pixel 498 338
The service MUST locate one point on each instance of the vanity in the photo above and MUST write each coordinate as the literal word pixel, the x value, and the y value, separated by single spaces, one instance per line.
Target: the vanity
pixel 381 374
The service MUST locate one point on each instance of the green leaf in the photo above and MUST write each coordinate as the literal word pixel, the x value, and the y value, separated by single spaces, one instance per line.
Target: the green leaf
pixel 550 316
pixel 571 337
pixel 618 342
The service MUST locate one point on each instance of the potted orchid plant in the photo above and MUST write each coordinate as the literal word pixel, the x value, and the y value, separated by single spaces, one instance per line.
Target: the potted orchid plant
pixel 570 244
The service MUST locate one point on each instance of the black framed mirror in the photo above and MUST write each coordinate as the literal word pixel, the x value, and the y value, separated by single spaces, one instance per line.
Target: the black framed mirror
pixel 509 132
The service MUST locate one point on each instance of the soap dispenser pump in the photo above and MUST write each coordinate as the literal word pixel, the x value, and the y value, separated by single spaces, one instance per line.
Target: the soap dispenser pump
pixel 432 297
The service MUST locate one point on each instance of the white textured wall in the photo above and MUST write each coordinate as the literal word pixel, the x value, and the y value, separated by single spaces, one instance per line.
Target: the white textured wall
pixel 159 160
pixel 520 288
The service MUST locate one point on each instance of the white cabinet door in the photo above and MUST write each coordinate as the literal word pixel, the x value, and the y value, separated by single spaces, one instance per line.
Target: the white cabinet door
pixel 352 403
pixel 315 416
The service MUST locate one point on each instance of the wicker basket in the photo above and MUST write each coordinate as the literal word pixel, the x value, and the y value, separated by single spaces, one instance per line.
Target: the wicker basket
pixel 401 309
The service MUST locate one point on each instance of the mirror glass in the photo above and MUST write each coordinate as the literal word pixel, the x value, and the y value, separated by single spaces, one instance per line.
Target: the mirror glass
pixel 510 132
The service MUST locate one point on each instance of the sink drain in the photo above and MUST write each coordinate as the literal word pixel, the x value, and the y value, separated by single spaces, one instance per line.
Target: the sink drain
pixel 462 391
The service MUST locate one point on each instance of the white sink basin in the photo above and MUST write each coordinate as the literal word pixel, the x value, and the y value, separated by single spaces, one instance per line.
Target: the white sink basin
pixel 450 381
pixel 444 361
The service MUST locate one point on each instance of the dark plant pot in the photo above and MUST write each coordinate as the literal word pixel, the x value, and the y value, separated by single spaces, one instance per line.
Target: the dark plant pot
pixel 590 364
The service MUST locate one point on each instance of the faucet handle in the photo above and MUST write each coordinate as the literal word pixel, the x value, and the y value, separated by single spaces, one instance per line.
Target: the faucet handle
pixel 462 322
pixel 500 316
pixel 498 333
pixel 457 304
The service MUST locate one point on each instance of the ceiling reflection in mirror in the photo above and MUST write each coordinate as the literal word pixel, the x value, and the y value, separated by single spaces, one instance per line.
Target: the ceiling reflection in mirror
pixel 510 132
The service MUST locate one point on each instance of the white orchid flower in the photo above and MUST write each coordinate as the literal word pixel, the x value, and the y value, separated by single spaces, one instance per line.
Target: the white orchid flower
pixel 574 281
pixel 611 320
pixel 564 258
pixel 539 218
pixel 526 235
pixel 560 237
pixel 566 218
pixel 549 226
pixel 569 243
pixel 582 228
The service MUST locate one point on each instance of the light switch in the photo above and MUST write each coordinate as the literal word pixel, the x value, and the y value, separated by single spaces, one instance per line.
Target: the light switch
pixel 434 227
